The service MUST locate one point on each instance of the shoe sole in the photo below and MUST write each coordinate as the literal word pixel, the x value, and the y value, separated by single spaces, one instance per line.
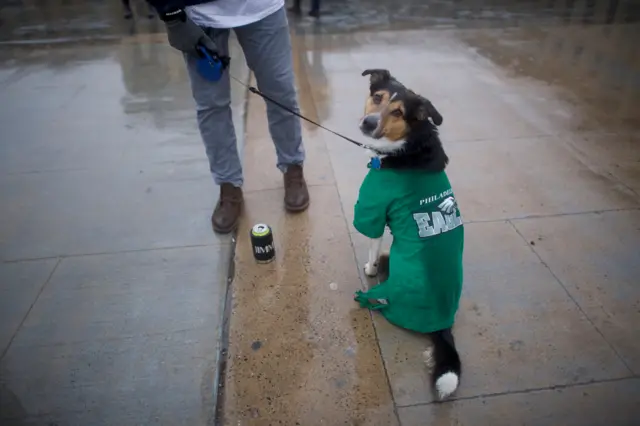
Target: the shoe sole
pixel 228 230
pixel 297 209
pixel 234 225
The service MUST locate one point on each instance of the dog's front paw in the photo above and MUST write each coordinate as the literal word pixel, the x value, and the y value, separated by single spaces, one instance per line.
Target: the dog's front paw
pixel 370 269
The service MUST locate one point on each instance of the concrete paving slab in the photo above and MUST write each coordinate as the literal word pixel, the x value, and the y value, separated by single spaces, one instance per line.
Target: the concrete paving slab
pixel 470 101
pixel 521 126
pixel 596 257
pixel 81 132
pixel 592 67
pixel 585 81
pixel 529 109
pixel 481 88
pixel 469 80
pixel 587 405
pixel 20 285
pixel 96 117
pixel 81 212
pixel 614 155
pixel 513 314
pixel 299 347
pixel 108 331
pixel 527 177
pixel 101 154
pixel 311 72
pixel 130 107
pixel 151 379
pixel 74 22
pixel 128 294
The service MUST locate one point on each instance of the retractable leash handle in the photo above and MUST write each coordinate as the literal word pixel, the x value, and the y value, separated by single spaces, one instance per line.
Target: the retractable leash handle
pixel 210 66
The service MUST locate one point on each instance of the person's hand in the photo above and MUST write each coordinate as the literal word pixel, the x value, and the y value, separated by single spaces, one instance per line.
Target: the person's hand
pixel 185 35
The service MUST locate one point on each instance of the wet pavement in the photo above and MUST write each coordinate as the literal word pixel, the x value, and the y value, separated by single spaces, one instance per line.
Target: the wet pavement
pixel 541 125
pixel 113 284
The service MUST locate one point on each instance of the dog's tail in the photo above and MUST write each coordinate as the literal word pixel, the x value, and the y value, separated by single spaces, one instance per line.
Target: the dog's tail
pixel 446 363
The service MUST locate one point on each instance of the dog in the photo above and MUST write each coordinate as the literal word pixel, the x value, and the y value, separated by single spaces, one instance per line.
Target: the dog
pixel 421 277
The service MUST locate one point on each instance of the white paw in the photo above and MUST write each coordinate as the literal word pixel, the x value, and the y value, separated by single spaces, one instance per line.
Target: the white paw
pixel 370 153
pixel 427 356
pixel 370 270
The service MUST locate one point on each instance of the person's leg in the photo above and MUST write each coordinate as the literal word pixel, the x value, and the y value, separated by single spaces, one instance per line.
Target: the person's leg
pixel 151 13
pixel 315 8
pixel 128 14
pixel 296 7
pixel 213 104
pixel 267 47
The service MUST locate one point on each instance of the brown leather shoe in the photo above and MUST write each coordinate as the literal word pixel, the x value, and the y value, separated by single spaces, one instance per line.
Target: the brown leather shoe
pixel 296 194
pixel 226 215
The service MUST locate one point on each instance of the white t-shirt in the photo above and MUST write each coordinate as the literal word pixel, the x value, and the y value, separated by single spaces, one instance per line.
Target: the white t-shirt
pixel 232 13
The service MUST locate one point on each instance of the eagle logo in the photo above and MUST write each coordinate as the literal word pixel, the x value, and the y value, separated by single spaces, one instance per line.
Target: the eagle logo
pixel 448 206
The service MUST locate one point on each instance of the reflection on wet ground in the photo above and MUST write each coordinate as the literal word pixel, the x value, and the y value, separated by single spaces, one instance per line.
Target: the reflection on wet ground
pixel 75 20
pixel 599 71
pixel 72 21
pixel 360 15
pixel 107 259
pixel 542 132
pixel 586 48
pixel 111 281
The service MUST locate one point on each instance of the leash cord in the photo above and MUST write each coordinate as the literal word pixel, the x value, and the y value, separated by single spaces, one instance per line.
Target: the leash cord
pixel 297 114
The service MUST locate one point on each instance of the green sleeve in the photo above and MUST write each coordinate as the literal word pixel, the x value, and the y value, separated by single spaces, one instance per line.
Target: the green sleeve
pixel 370 212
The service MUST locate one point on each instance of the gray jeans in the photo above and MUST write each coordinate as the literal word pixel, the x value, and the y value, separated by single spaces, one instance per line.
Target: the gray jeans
pixel 267 47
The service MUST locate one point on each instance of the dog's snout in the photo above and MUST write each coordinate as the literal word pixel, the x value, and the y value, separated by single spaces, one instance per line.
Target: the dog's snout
pixel 369 123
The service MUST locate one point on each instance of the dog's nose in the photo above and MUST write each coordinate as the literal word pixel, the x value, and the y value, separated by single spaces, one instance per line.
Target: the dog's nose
pixel 369 123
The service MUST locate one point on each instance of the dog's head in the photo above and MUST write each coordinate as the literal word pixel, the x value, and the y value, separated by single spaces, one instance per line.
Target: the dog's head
pixel 393 111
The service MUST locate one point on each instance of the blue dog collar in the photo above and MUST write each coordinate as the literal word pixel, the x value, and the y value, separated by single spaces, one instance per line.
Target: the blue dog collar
pixel 375 162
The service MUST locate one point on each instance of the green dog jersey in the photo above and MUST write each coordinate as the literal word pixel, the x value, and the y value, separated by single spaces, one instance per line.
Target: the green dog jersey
pixel 423 290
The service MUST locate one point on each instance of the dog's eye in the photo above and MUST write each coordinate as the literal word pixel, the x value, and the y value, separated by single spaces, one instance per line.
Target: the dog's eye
pixel 396 113
pixel 377 98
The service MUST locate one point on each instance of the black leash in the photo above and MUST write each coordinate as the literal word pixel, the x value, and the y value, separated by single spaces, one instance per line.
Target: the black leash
pixel 273 101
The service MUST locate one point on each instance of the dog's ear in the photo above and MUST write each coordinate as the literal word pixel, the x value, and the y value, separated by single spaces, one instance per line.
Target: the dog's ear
pixel 427 110
pixel 377 75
